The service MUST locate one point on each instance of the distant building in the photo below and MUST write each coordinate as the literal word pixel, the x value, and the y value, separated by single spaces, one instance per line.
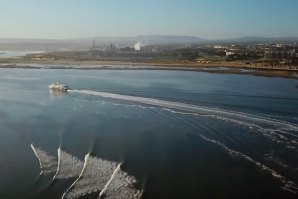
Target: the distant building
pixel 229 53
pixel 111 48
pixel 218 47
pixel 280 55
pixel 279 45
pixel 93 46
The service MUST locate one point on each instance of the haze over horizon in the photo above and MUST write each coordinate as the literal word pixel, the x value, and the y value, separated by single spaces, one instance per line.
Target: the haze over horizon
pixel 212 19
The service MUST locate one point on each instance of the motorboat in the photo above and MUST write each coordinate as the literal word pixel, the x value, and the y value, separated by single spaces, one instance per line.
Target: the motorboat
pixel 59 87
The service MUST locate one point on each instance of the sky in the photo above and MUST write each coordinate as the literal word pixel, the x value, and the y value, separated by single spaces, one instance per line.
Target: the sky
pixel 209 19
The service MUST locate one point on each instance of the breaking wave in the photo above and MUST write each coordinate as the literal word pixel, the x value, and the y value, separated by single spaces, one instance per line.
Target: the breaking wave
pixel 74 183
pixel 94 175
pixel 47 163
pixel 94 178
pixel 69 166
pixel 120 186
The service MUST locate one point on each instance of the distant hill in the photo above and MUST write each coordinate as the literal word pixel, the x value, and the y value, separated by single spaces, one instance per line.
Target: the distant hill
pixel 40 44
pixel 261 39
pixel 103 42
pixel 150 40
pixel 161 39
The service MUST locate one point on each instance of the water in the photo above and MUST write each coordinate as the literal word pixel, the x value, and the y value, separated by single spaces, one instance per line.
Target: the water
pixel 16 54
pixel 147 134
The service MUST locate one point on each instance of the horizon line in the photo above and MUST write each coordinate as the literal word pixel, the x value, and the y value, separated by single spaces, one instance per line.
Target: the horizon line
pixel 148 35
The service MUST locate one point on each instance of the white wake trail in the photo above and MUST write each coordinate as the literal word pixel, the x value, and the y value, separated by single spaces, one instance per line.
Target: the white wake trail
pixel 274 123
pixel 59 160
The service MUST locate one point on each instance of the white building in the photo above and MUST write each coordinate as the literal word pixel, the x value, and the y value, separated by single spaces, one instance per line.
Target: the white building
pixel 218 47
pixel 228 53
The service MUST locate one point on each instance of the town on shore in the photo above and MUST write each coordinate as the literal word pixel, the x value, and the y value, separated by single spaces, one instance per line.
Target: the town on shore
pixel 277 55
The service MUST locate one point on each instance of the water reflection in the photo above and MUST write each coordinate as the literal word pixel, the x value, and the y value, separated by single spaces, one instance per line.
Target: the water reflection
pixel 56 93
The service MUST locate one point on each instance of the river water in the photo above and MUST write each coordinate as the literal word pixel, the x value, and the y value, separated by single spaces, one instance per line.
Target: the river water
pixel 147 134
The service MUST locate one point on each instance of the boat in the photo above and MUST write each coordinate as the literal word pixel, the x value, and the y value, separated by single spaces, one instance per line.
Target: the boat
pixel 59 87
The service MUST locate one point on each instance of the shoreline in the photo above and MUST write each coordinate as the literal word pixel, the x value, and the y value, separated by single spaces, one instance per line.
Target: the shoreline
pixel 220 67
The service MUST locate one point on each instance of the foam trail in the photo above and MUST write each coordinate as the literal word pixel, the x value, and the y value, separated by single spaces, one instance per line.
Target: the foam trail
pixel 194 108
pixel 59 160
pixel 287 184
pixel 47 163
pixel 39 161
pixel 73 184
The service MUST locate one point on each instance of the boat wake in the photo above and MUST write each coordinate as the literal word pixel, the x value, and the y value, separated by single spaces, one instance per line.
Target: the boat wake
pixel 276 130
pixel 193 108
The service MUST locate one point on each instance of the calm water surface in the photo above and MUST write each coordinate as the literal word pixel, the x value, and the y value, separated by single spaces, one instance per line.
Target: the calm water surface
pixel 191 135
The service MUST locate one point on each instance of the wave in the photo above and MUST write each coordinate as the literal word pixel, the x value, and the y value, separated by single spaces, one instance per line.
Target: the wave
pixel 74 183
pixel 100 176
pixel 69 166
pixel 120 186
pixel 94 175
pixel 59 160
pixel 109 182
pixel 47 163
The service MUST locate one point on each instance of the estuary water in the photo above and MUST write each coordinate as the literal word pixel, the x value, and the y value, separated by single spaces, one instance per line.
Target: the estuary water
pixel 147 134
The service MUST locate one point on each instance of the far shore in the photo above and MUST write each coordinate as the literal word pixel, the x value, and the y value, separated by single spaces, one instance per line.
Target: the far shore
pixel 215 67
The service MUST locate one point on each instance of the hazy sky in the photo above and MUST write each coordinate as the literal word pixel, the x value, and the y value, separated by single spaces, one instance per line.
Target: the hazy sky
pixel 204 18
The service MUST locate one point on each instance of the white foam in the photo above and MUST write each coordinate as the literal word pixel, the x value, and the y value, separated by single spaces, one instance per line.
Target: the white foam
pixel 118 104
pixel 47 163
pixel 59 160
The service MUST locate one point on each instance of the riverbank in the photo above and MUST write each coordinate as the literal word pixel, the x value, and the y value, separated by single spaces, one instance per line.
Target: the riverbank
pixel 218 67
